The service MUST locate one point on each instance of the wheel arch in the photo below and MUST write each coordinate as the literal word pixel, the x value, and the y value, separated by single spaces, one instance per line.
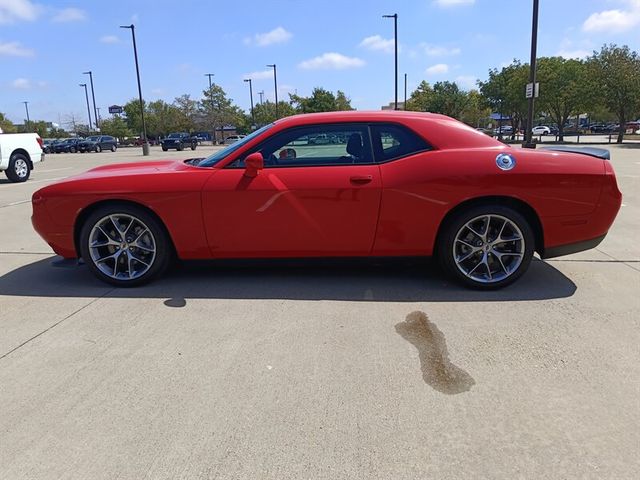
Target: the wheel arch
pixel 25 153
pixel 517 204
pixel 84 214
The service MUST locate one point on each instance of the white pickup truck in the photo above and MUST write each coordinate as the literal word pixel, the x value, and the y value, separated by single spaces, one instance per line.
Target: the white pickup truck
pixel 18 153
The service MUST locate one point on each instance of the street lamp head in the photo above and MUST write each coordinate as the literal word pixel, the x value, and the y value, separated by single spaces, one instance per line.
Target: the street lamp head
pixel 247 80
pixel 126 26
pixel 395 15
pixel 87 73
pixel 272 66
pixel 83 84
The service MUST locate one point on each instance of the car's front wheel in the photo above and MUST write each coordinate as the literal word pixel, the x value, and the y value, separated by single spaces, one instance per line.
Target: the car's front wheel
pixel 124 245
pixel 113 148
pixel 486 247
pixel 98 149
pixel 193 146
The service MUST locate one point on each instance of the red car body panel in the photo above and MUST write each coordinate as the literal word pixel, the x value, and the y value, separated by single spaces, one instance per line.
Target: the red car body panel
pixel 392 208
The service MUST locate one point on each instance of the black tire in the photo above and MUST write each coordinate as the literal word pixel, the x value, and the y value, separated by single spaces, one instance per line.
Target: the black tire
pixel 98 149
pixel 113 148
pixel 164 149
pixel 193 146
pixel 72 150
pixel 180 147
pixel 163 247
pixel 455 227
pixel 19 168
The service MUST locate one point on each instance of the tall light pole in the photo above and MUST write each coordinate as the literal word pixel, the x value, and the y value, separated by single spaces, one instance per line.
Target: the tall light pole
pixel 213 140
pixel 145 143
pixel 86 94
pixel 261 93
pixel 98 113
pixel 93 96
pixel 395 44
pixel 253 118
pixel 532 77
pixel 405 91
pixel 26 107
pixel 275 83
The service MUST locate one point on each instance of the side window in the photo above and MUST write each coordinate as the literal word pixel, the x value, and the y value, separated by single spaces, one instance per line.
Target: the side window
pixel 316 145
pixel 394 141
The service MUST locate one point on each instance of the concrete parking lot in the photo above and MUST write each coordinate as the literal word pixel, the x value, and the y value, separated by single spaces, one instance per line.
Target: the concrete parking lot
pixel 274 371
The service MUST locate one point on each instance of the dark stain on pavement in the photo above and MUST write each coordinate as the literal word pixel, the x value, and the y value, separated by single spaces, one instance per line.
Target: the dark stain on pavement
pixel 437 369
pixel 175 302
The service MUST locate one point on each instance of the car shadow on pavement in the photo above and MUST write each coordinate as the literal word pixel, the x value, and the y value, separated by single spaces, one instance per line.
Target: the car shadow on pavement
pixel 387 281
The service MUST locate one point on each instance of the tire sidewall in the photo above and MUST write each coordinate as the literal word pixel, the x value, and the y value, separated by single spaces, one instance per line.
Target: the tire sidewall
pixel 11 173
pixel 446 239
pixel 163 245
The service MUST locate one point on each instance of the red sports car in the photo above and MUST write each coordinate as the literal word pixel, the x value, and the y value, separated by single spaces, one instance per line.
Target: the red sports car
pixel 379 184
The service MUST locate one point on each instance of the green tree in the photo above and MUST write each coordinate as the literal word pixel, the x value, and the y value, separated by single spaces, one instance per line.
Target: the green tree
pixel 321 100
pixel 565 89
pixel 216 110
pixel 266 112
pixel 133 116
pixel 448 99
pixel 476 111
pixel 504 91
pixel 616 71
pixel 116 127
pixel 420 99
pixel 187 107
pixel 7 125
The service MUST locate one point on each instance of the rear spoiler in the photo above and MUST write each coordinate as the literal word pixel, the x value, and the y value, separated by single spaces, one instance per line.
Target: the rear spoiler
pixel 591 151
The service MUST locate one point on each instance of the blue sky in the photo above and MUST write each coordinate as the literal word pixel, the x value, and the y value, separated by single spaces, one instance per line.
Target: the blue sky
pixel 46 45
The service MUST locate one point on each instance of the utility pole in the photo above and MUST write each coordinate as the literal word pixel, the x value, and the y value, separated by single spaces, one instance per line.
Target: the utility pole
pixel 395 44
pixel 532 77
pixel 275 83
pixel 261 93
pixel 26 107
pixel 213 140
pixel 93 96
pixel 253 118
pixel 86 94
pixel 405 91
pixel 145 143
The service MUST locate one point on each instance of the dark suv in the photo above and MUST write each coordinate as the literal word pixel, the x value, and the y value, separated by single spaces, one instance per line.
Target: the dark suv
pixel 179 141
pixel 97 143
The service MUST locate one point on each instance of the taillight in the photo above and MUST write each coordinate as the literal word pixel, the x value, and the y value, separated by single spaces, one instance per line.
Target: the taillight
pixel 40 142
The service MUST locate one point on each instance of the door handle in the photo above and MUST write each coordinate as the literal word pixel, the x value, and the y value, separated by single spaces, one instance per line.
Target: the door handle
pixel 361 178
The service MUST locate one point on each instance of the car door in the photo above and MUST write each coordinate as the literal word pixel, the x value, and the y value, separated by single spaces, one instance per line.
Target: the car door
pixel 309 200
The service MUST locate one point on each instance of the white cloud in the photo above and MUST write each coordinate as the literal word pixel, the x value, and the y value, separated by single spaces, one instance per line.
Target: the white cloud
pixel 439 50
pixel 376 42
pixel 277 35
pixel 331 60
pixel 437 69
pixel 158 91
pixel 15 49
pixel 109 39
pixel 453 3
pixel 12 10
pixel 21 83
pixel 578 53
pixel 261 75
pixel 69 15
pixel 467 82
pixel 614 21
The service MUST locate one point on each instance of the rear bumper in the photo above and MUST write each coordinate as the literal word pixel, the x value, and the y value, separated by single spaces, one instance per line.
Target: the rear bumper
pixel 570 248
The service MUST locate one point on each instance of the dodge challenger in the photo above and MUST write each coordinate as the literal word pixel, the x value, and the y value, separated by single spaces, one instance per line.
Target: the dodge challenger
pixel 390 184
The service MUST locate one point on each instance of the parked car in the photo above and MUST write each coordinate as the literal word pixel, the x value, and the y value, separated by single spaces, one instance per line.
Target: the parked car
pixel 98 143
pixel 541 130
pixel 46 144
pixel 439 188
pixel 506 130
pixel 179 141
pixel 598 128
pixel 233 139
pixel 19 152
pixel 68 145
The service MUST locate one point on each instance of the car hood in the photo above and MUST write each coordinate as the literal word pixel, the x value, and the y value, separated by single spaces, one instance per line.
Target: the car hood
pixel 132 168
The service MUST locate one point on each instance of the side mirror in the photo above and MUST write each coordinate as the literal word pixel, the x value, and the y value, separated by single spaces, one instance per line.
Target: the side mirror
pixel 253 164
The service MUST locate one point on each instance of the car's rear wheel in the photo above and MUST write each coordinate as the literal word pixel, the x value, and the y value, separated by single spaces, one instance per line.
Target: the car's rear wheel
pixel 113 148
pixel 124 245
pixel 486 247
pixel 164 149
pixel 98 149
pixel 72 150
pixel 180 147
pixel 19 168
pixel 193 146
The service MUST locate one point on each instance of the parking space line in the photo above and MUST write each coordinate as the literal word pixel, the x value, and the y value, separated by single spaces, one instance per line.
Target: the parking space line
pixel 12 204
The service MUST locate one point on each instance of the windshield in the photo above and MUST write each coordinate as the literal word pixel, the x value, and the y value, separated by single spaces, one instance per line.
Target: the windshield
pixel 211 160
pixel 93 139
pixel 174 135
pixel 71 140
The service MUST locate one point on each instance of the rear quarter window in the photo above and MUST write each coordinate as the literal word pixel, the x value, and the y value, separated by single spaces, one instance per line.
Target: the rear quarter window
pixel 392 141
